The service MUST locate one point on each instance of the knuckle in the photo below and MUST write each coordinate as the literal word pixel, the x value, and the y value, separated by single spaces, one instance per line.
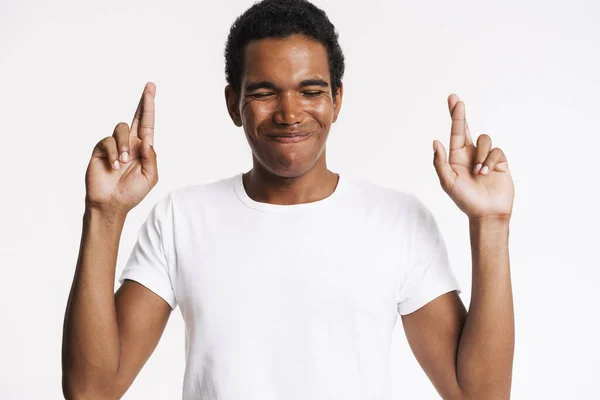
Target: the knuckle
pixel 121 135
pixel 104 144
pixel 484 139
pixel 121 126
pixel 110 145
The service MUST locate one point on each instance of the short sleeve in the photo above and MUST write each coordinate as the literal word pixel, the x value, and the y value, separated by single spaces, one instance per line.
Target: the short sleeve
pixel 428 273
pixel 148 262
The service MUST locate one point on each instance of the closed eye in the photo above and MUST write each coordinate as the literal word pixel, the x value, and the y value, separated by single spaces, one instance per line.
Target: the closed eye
pixel 312 93
pixel 261 95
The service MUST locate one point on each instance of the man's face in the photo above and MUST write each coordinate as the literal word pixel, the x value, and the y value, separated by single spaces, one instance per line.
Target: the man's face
pixel 285 90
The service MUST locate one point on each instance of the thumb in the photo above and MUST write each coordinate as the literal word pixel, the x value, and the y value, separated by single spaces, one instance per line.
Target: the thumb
pixel 149 167
pixel 442 166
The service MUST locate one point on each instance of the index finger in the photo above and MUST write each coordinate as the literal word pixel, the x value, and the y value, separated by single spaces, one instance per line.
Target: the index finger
pixel 143 120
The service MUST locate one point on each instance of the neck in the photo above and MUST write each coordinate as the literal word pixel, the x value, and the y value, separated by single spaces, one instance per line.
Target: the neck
pixel 266 187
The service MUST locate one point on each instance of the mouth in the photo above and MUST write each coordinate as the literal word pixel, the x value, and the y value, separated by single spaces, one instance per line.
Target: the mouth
pixel 290 137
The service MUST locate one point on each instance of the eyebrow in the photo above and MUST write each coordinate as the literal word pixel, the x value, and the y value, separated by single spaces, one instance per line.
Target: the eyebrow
pixel 270 85
pixel 314 82
pixel 260 85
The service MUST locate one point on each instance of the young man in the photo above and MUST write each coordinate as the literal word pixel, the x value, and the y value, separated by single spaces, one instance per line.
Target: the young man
pixel 289 277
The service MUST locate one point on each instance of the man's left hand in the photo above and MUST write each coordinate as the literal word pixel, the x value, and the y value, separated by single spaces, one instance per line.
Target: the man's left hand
pixel 476 178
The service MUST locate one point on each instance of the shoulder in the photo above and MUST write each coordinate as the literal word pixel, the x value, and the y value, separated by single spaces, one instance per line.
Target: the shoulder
pixel 371 194
pixel 192 198
pixel 202 193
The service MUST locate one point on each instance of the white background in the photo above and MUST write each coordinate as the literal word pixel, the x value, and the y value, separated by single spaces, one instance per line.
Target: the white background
pixel 527 71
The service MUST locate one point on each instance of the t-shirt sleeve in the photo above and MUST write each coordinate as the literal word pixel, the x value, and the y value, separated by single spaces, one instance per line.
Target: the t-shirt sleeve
pixel 148 263
pixel 428 274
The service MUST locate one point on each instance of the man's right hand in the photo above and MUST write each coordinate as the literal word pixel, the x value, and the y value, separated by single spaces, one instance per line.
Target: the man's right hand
pixel 123 169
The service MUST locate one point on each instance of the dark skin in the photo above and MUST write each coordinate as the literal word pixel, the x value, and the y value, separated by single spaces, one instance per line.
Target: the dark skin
pixel 286 87
pixel 464 355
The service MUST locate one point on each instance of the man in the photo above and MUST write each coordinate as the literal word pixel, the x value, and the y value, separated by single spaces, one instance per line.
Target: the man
pixel 289 277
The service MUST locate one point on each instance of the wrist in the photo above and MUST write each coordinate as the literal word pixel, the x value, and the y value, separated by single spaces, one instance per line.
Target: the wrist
pixel 483 229
pixel 104 216
pixel 490 220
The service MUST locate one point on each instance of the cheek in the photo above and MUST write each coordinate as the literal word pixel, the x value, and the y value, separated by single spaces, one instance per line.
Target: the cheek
pixel 255 113
pixel 322 112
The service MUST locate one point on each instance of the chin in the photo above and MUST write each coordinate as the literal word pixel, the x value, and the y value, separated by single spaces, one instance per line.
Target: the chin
pixel 292 171
pixel 285 168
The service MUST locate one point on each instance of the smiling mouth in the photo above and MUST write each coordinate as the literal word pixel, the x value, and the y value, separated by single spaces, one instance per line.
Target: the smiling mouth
pixel 289 138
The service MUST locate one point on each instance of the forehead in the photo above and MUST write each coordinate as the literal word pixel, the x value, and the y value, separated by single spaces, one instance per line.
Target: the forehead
pixel 290 59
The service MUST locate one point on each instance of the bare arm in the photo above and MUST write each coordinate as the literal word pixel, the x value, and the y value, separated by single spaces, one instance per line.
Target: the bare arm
pixel 91 334
pixel 470 355
pixel 107 337
pixel 485 353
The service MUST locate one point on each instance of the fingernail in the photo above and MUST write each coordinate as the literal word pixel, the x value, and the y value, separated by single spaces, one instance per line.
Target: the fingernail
pixel 477 168
pixel 485 170
pixel 116 165
pixel 434 147
pixel 124 157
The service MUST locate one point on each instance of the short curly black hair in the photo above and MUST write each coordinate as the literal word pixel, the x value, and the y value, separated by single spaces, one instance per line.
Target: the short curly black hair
pixel 279 19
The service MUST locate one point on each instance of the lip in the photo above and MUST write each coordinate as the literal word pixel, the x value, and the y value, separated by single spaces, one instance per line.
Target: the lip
pixel 290 138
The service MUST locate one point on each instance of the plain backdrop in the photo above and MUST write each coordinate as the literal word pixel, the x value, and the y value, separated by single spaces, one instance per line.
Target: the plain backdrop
pixel 528 72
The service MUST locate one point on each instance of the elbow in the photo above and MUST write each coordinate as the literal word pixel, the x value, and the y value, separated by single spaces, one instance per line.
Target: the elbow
pixel 482 395
pixel 85 381
pixel 495 387
pixel 80 388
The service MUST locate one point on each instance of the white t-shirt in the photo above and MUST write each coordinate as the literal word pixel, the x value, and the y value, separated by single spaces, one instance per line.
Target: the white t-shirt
pixel 290 301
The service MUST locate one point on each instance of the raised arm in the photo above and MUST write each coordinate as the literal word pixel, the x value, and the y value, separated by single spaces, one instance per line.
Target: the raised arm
pixel 108 337
pixel 470 355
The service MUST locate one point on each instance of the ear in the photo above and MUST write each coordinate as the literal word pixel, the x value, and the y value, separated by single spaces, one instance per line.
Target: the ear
pixel 337 102
pixel 232 102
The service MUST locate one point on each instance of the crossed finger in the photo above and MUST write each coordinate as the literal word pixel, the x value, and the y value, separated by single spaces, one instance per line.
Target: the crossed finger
pixel 143 120
pixel 495 159
pixel 460 133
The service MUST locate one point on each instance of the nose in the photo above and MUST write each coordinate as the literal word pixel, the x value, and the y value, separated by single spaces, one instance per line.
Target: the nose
pixel 289 109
